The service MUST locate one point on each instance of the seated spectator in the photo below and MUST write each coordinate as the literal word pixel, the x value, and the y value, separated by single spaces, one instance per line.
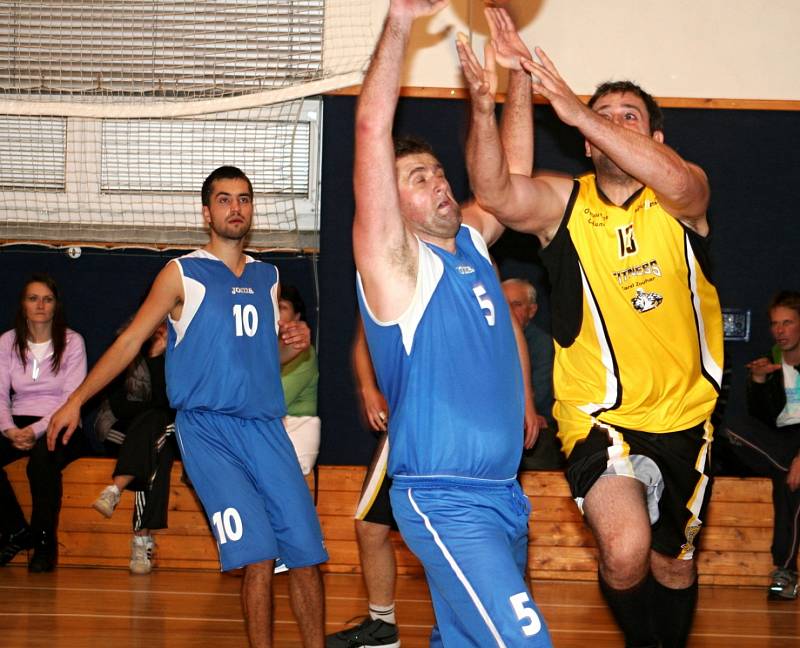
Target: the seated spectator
pixel 137 415
pixel 546 454
pixel 41 363
pixel 768 441
pixel 299 378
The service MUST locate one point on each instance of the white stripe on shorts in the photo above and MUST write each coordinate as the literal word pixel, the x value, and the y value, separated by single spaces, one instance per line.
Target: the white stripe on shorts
pixel 459 574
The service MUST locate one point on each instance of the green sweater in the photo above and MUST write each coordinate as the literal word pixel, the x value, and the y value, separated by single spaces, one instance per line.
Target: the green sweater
pixel 299 378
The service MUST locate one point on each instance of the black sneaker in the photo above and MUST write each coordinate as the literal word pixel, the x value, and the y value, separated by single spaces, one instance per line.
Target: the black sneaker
pixel 368 633
pixel 14 543
pixel 44 553
pixel 784 585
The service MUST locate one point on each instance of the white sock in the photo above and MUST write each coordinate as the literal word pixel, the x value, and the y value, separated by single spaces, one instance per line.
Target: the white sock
pixel 383 612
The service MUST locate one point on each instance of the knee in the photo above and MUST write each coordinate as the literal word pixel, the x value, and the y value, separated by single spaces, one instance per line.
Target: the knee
pixel 371 535
pixel 672 572
pixel 624 559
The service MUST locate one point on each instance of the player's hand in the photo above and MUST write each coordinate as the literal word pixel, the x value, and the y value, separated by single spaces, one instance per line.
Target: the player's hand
pixel 416 8
pixel 66 418
pixel 158 342
pixel 376 411
pixel 295 334
pixel 481 79
pixel 508 45
pixel 21 439
pixel 760 368
pixel 547 82
pixel 531 424
pixel 793 478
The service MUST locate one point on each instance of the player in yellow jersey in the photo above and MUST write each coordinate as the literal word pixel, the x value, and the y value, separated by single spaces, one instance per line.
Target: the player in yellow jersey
pixel 636 323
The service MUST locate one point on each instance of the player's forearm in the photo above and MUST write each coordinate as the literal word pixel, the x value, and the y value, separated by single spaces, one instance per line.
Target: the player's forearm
pixel 486 163
pixel 516 124
pixel 381 86
pixel 118 356
pixel 652 163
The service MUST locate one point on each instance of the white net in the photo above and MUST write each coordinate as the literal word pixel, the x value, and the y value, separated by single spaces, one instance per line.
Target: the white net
pixel 112 113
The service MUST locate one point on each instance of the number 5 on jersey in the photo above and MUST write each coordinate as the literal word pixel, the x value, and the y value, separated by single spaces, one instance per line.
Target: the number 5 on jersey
pixel 485 302
pixel 524 613
pixel 246 319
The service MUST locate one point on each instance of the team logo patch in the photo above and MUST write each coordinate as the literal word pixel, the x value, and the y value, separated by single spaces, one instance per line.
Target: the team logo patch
pixel 646 301
pixel 465 269
pixel 595 219
pixel 691 533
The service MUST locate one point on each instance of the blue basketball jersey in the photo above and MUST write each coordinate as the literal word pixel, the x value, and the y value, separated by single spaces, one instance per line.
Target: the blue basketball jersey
pixel 222 355
pixel 449 368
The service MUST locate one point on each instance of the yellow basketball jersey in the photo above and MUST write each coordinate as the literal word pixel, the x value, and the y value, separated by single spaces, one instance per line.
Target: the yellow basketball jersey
pixel 636 320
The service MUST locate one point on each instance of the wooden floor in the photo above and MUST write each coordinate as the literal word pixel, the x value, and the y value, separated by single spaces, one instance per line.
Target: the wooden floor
pixel 94 608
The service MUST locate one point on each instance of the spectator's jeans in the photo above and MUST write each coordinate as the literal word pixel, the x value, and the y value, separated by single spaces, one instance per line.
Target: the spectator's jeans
pixel 769 452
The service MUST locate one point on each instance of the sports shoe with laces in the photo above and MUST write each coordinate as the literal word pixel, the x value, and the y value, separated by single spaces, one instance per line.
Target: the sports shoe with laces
pixel 784 585
pixel 14 543
pixel 368 633
pixel 107 501
pixel 142 554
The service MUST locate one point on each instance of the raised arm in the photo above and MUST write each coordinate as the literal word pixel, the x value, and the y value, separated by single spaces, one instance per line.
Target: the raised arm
pixel 164 298
pixel 385 251
pixel 681 187
pixel 533 205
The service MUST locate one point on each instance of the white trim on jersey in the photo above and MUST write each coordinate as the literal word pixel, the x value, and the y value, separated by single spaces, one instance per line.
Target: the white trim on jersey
pixel 193 294
pixel 459 574
pixel 429 272
pixel 709 364
pixel 273 292
pixel 612 384
pixel 480 243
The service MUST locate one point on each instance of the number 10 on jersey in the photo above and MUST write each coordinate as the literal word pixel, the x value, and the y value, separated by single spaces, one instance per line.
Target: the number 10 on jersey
pixel 246 320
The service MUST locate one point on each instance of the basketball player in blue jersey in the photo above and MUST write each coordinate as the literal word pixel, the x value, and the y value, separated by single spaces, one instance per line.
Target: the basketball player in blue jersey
pixel 636 322
pixel 224 351
pixel 446 359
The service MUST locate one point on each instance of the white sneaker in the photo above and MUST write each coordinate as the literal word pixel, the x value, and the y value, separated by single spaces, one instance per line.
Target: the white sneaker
pixel 142 554
pixel 107 502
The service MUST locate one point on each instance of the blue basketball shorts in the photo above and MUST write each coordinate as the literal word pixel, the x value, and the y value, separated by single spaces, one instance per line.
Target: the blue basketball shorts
pixel 471 536
pixel 246 474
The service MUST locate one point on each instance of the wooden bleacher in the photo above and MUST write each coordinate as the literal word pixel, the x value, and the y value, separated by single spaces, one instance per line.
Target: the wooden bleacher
pixel 735 540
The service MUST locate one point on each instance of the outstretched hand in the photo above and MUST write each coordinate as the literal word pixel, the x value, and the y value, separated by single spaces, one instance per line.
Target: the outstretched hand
pixel 481 79
pixel 547 82
pixel 66 418
pixel 760 368
pixel 509 48
pixel 416 8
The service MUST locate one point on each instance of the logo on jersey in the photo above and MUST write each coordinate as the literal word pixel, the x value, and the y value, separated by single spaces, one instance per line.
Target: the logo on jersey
pixel 595 219
pixel 465 269
pixel 691 533
pixel 237 290
pixel 627 241
pixel 649 268
pixel 646 301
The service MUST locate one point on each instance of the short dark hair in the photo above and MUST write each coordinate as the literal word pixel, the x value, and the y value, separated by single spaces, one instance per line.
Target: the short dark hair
pixel 785 299
pixel 654 113
pixel 291 294
pixel 222 173
pixel 411 145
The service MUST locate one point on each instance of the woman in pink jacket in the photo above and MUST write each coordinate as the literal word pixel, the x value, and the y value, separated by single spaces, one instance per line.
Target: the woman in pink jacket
pixel 41 363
